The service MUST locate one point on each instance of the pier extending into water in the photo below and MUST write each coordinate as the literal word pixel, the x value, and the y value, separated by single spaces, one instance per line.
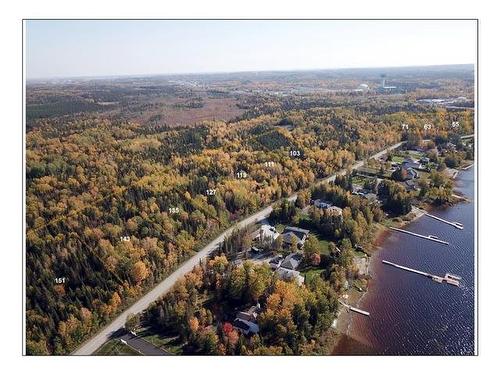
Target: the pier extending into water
pixel 355 309
pixel 455 224
pixel 429 237
pixel 447 279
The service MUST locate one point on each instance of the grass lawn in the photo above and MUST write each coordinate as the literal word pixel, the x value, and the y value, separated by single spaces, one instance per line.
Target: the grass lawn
pixel 311 271
pixel 416 154
pixel 170 343
pixel 358 180
pixel 115 347
pixel 397 159
pixel 323 247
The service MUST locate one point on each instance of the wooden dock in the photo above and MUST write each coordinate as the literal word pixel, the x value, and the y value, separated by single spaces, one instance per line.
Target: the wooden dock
pixel 455 224
pixel 355 309
pixel 429 237
pixel 447 279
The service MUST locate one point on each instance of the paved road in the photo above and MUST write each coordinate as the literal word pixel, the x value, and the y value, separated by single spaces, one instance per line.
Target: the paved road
pixel 105 334
pixel 140 345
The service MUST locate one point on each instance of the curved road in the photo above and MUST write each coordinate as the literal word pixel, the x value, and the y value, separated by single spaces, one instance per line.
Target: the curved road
pixel 105 334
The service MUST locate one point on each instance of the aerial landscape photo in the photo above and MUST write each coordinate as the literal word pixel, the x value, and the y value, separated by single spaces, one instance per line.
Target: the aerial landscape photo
pixel 250 187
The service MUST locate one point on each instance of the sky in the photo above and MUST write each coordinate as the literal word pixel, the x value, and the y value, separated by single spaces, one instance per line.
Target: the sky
pixel 78 48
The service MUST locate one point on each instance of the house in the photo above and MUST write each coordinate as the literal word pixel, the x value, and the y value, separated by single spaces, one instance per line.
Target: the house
pixel 250 314
pixel 450 146
pixel 356 188
pixel 246 321
pixel 275 263
pixel 292 261
pixel 299 234
pixel 411 163
pixel 365 194
pixel 256 250
pixel 246 327
pixel 410 185
pixel 327 206
pixel 425 160
pixel 335 210
pixel 320 203
pixel 268 232
pixel 410 172
pixel 289 275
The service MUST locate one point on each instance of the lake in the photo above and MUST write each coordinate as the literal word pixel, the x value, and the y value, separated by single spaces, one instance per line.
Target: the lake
pixel 411 314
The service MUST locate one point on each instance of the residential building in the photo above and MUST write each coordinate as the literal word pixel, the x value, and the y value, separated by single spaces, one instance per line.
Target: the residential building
pixel 250 314
pixel 292 261
pixel 268 232
pixel 245 327
pixel 275 263
pixel 246 321
pixel 411 163
pixel 327 206
pixel 299 234
pixel 289 275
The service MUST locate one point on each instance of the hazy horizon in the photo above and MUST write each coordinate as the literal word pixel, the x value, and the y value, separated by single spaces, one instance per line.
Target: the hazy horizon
pixel 146 75
pixel 60 49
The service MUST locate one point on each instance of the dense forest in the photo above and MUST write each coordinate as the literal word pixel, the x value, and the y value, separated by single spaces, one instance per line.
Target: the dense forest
pixel 113 206
pixel 292 319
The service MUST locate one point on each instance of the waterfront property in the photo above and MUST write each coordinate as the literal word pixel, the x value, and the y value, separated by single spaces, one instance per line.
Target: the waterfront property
pixel 448 278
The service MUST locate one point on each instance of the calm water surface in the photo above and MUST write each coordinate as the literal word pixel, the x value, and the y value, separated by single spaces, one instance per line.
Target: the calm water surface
pixel 411 314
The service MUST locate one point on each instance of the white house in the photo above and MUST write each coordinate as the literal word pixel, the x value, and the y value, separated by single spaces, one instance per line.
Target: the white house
pixel 268 233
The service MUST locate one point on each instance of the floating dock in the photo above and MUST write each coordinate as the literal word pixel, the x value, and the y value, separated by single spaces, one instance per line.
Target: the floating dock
pixel 455 224
pixel 355 309
pixel 447 279
pixel 429 237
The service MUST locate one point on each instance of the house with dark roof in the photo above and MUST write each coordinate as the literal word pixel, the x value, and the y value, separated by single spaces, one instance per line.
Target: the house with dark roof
pixel 292 261
pixel 410 185
pixel 245 327
pixel 411 163
pixel 425 160
pixel 411 173
pixel 299 234
pixel 276 262
pixel 246 320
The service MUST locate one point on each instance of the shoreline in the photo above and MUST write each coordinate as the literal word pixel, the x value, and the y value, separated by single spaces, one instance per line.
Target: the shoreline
pixel 344 341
